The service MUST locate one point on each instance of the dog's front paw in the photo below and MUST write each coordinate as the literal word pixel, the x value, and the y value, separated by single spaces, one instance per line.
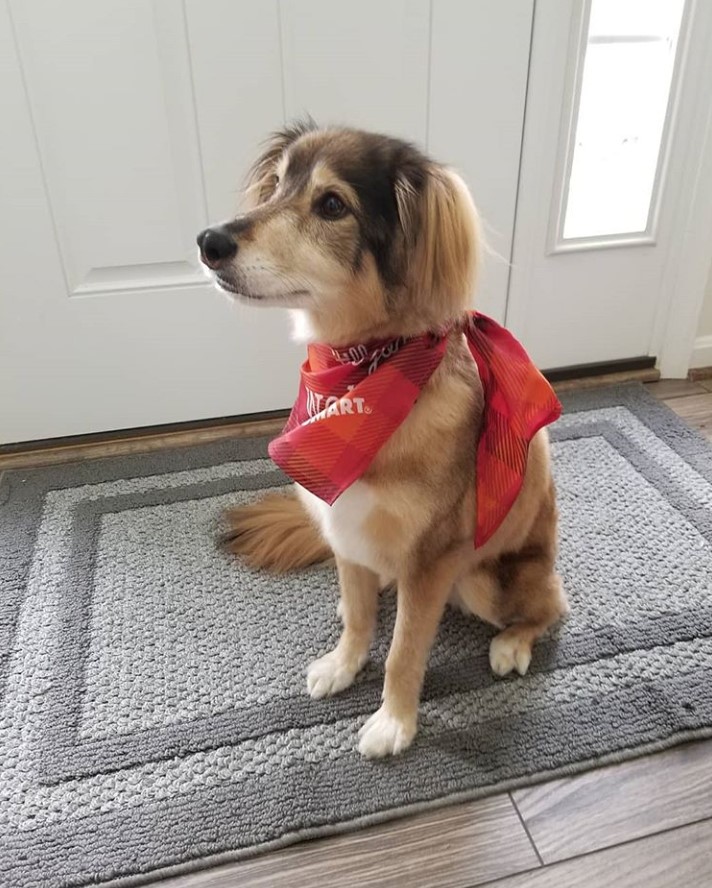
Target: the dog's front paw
pixel 331 674
pixel 509 651
pixel 384 734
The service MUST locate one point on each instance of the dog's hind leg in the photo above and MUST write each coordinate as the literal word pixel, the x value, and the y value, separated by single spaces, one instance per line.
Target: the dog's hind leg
pixel 518 592
pixel 531 601
pixel 531 597
pixel 512 648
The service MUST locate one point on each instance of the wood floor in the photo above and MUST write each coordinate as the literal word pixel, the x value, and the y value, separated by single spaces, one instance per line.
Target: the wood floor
pixel 643 824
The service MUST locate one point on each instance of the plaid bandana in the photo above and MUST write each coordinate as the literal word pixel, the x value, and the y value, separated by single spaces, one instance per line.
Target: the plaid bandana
pixel 351 400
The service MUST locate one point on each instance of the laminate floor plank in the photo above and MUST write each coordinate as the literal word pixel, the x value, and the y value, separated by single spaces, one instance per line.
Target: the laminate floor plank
pixel 456 847
pixel 680 857
pixel 696 410
pixel 601 808
pixel 674 388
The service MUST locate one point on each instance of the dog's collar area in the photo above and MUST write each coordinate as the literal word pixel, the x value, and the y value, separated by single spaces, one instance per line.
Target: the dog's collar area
pixel 362 352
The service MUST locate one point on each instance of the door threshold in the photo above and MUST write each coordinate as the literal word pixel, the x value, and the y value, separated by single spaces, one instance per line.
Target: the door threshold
pixel 582 376
pixel 55 451
pixel 599 368
pixel 589 382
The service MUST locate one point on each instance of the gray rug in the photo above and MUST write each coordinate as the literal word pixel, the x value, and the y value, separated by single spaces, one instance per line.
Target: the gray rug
pixel 153 712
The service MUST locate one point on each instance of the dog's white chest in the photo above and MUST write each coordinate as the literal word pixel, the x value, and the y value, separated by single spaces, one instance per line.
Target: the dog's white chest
pixel 343 523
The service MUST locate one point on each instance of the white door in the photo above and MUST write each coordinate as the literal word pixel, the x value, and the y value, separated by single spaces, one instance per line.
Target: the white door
pixel 127 126
pixel 617 118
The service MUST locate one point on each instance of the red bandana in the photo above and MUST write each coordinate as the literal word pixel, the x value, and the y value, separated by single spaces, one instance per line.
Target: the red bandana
pixel 351 400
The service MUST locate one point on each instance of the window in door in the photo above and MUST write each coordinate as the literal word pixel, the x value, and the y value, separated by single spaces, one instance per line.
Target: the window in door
pixel 616 154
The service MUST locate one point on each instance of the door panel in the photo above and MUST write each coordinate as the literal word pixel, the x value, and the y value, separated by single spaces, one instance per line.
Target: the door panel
pixel 119 148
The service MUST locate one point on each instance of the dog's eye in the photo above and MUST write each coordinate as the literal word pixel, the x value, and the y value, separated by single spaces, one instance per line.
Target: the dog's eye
pixel 332 207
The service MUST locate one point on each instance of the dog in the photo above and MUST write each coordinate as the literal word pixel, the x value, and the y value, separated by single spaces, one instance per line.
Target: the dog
pixel 364 238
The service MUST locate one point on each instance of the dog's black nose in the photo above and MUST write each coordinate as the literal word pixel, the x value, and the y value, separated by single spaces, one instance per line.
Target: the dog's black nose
pixel 217 246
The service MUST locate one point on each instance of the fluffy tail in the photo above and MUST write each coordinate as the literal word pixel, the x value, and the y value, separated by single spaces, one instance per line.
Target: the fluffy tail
pixel 275 533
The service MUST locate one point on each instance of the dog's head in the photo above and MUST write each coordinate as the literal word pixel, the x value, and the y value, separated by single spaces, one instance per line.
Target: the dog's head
pixel 362 231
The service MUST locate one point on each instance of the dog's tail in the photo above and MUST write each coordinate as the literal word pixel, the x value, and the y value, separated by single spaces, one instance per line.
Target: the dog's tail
pixel 275 533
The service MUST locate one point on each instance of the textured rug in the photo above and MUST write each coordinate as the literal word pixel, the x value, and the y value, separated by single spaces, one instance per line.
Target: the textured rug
pixel 153 713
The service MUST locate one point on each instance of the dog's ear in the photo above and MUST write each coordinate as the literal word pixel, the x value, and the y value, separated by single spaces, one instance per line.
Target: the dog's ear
pixel 442 233
pixel 261 180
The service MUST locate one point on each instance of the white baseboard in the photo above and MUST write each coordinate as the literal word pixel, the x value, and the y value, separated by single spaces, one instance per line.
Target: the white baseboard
pixel 702 352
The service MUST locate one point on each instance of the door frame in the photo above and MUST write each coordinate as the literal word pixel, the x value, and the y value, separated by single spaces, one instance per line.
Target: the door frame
pixel 689 262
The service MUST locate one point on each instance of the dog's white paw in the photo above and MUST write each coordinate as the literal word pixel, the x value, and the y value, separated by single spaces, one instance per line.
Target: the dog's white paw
pixel 384 734
pixel 331 674
pixel 508 652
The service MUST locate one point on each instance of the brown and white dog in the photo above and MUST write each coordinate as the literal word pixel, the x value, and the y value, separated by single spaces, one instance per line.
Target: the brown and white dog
pixel 364 238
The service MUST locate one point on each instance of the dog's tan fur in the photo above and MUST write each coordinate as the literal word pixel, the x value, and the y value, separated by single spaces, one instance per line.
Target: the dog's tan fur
pixel 292 541
pixel 410 519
